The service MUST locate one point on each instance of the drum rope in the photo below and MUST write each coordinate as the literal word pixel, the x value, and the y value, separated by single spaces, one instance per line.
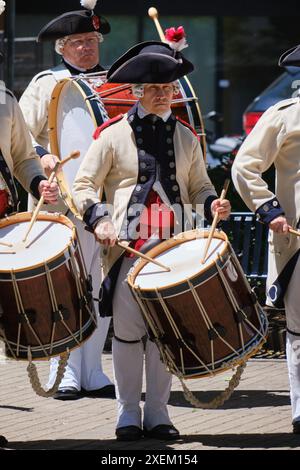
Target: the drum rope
pixel 19 338
pixel 80 252
pixel 53 310
pixel 220 399
pixel 34 378
pixel 91 313
pixel 206 320
pixel 239 268
pixel 175 328
pixel 168 314
pixel 56 307
pixel 78 287
pixel 202 310
pixel 216 402
pixel 235 303
pixel 3 335
pixel 22 312
pixel 147 317
pixel 52 337
pixel 205 317
pixel 118 100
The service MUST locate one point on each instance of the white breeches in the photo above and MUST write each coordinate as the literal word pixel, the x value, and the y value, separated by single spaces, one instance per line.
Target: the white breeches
pixel 292 311
pixel 84 367
pixel 128 359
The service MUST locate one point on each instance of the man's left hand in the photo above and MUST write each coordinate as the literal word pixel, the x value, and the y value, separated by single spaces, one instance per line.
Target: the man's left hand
pixel 49 191
pixel 221 207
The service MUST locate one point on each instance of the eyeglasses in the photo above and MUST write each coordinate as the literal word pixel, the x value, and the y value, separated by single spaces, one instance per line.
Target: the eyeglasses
pixel 76 43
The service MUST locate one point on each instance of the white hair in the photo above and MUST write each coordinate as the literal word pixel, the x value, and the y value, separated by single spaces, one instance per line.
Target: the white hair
pixel 60 43
pixel 88 4
pixel 2 6
pixel 138 89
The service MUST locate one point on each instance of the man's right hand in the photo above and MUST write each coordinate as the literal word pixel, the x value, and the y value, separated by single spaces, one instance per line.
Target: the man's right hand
pixel 48 162
pixel 279 225
pixel 105 232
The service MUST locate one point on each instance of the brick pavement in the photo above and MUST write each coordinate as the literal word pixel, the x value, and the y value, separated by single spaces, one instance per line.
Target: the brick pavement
pixel 257 416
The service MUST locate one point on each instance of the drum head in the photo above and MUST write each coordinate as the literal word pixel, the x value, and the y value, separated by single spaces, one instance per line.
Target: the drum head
pixel 184 260
pixel 50 237
pixel 75 112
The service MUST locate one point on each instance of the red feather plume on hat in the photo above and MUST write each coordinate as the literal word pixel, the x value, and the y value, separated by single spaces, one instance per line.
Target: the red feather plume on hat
pixel 176 38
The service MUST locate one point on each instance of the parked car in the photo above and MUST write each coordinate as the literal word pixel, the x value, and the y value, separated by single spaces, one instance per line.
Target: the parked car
pixel 287 85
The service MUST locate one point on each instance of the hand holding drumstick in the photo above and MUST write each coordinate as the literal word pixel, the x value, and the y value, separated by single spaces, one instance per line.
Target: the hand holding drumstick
pixel 280 225
pixel 49 190
pixel 105 233
pixel 220 209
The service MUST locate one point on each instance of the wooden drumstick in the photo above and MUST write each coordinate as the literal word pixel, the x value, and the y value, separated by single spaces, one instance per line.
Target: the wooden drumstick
pixel 294 232
pixel 215 221
pixel 59 164
pixel 141 255
pixel 6 244
pixel 153 13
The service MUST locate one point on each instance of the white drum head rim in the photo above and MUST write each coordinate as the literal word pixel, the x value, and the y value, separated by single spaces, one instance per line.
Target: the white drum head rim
pixel 51 218
pixel 134 272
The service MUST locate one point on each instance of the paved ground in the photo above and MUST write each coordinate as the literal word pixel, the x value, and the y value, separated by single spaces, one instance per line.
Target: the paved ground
pixel 257 416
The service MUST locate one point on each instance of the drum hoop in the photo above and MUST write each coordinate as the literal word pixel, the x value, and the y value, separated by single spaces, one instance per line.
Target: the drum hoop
pixel 95 114
pixel 165 289
pixel 53 106
pixel 45 216
pixel 195 102
pixel 63 343
pixel 253 347
pixel 172 242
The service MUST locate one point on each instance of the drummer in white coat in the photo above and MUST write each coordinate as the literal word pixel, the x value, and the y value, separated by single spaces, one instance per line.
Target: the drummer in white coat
pixel 77 35
pixel 276 140
pixel 18 159
pixel 144 160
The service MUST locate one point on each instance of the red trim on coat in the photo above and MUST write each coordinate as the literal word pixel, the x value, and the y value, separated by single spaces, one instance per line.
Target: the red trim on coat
pixel 106 124
pixel 3 202
pixel 186 124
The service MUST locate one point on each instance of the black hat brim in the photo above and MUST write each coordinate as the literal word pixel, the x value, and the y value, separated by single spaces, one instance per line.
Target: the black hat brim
pixel 290 57
pixel 72 22
pixel 158 65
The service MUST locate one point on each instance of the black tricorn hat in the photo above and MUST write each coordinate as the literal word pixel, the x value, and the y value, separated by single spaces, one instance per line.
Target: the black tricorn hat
pixel 290 57
pixel 149 62
pixel 73 22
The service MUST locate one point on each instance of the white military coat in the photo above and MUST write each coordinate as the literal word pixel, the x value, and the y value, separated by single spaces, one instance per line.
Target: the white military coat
pixel 15 145
pixel 274 139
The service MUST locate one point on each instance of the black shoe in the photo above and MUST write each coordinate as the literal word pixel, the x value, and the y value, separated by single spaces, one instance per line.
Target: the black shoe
pixel 67 393
pixel 164 432
pixel 296 427
pixel 105 392
pixel 3 441
pixel 129 433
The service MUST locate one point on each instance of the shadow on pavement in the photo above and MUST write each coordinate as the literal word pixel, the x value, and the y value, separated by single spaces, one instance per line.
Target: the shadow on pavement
pixel 206 441
pixel 16 408
pixel 239 398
